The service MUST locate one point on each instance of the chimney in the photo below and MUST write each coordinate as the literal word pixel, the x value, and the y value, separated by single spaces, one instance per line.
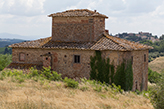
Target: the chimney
pixel 107 31
pixel 95 10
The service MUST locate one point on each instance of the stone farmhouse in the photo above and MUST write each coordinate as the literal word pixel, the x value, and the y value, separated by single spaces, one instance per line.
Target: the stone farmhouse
pixel 76 35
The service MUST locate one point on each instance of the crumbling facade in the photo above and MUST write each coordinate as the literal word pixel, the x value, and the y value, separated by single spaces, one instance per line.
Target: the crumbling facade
pixel 76 34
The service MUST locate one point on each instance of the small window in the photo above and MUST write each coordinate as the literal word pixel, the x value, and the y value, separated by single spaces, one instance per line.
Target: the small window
pixel 132 60
pixel 144 57
pixel 76 58
pixel 90 20
pixel 22 57
pixel 136 85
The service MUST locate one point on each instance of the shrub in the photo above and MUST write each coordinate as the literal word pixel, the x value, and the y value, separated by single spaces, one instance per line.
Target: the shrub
pixel 71 83
pixel 33 72
pixel 50 75
pixel 158 93
pixel 153 76
pixel 56 76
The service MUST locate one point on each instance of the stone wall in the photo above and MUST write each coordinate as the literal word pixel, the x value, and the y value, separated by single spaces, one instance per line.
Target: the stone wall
pixel 140 66
pixel 140 70
pixel 77 29
pixel 63 62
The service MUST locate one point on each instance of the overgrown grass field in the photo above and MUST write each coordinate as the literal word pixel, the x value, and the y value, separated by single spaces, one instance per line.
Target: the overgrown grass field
pixel 157 65
pixel 47 90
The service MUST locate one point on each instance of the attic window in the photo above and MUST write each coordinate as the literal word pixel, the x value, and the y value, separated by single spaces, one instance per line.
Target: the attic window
pixel 76 58
pixel 144 57
pixel 22 57
pixel 90 20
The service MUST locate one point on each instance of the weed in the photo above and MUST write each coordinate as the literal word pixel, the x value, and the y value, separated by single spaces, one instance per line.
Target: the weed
pixel 70 83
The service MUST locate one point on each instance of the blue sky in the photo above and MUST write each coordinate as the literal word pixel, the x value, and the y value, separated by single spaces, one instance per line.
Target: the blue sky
pixel 29 17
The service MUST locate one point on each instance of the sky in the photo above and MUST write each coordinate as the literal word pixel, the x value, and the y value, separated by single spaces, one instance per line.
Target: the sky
pixel 29 17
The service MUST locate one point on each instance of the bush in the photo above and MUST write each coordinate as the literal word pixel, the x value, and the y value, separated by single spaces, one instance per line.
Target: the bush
pixel 71 83
pixel 153 76
pixel 158 93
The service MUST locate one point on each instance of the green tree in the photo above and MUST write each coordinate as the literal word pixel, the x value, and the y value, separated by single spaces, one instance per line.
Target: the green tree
pixel 100 68
pixel 5 60
pixel 124 75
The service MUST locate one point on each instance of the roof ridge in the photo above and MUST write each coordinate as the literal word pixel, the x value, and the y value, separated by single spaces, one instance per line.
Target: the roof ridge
pixel 78 13
pixel 109 37
pixel 125 42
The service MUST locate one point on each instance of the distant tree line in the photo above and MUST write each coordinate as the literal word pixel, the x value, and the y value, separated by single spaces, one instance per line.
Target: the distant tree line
pixel 158 48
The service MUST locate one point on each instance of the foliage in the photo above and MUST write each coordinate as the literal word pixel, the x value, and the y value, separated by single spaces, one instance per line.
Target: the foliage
pixel 153 76
pixel 5 60
pixel 157 93
pixel 71 83
pixel 103 71
pixel 51 75
pixel 34 74
pixel 129 76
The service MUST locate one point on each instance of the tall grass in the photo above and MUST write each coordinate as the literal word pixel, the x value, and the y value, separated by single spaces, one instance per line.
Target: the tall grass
pixel 39 92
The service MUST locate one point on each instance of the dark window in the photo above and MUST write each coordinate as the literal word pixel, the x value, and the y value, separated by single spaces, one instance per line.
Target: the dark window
pixel 136 85
pixel 76 58
pixel 144 57
pixel 90 20
pixel 132 60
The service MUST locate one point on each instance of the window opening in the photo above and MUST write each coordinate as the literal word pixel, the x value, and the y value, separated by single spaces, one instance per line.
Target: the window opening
pixel 90 20
pixel 136 85
pixel 144 57
pixel 132 60
pixel 76 58
pixel 22 57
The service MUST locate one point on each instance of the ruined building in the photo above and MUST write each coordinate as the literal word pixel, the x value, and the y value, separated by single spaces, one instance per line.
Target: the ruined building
pixel 76 34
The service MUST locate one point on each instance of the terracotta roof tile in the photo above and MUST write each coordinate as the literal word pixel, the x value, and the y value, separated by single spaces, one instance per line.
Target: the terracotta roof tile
pixel 78 13
pixel 31 44
pixel 107 42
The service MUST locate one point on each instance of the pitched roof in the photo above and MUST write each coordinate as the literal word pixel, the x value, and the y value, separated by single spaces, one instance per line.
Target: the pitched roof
pixel 78 13
pixel 106 42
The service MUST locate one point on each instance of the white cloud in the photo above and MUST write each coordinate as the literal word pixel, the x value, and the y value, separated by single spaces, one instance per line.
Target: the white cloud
pixel 29 17
pixel 22 7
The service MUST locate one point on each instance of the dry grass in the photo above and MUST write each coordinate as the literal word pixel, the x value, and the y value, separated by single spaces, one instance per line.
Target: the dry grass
pixel 157 65
pixel 54 95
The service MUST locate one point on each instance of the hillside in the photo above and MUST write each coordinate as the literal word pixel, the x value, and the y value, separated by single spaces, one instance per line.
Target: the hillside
pixel 157 65
pixel 6 42
pixel 137 37
pixel 31 94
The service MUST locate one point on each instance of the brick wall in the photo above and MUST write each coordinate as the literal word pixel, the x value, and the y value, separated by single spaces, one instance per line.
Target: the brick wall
pixel 140 70
pixel 63 62
pixel 140 66
pixel 77 29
